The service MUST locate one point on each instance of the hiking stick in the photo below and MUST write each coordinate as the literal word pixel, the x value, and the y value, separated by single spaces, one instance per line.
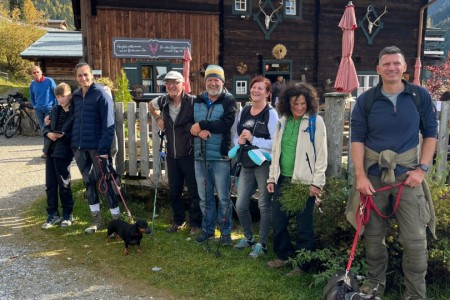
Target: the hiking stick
pixel 158 176
pixel 205 182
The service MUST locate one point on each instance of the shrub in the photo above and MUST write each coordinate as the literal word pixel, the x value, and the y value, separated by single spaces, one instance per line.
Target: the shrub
pixel 122 94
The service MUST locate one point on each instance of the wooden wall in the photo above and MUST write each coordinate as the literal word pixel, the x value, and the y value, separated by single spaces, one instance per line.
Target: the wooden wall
pixel 60 69
pixel 201 28
pixel 401 24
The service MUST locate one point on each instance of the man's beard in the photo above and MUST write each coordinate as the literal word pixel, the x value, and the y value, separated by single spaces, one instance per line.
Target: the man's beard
pixel 214 92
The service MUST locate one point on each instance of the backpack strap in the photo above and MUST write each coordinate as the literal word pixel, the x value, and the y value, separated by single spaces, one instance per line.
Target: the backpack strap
pixel 312 131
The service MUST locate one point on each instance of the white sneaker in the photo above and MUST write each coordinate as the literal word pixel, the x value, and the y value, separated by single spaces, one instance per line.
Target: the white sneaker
pixel 52 220
pixel 65 223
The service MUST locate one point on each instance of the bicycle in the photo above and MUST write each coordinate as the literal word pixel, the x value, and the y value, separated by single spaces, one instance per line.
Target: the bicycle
pixel 14 121
pixel 6 109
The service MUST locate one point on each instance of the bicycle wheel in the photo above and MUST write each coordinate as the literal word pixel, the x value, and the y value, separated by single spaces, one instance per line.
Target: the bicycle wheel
pixel 12 125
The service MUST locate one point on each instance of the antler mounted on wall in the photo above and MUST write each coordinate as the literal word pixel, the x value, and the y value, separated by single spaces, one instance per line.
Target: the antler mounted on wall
pixel 371 32
pixel 377 21
pixel 269 18
pixel 275 16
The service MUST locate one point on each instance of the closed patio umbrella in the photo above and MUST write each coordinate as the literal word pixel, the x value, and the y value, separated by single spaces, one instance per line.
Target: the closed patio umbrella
pixel 417 67
pixel 346 78
pixel 186 68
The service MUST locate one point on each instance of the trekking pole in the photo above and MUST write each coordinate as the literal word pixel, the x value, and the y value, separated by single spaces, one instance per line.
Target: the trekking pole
pixel 205 182
pixel 162 157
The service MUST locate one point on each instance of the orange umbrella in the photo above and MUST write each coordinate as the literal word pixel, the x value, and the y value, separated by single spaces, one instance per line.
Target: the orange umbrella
pixel 346 78
pixel 417 67
pixel 186 67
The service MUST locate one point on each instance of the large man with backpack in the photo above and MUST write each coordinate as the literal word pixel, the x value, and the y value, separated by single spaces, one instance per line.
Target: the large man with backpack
pixel 385 127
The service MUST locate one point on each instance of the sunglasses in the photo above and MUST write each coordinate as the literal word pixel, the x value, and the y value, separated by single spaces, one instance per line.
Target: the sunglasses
pixel 36 72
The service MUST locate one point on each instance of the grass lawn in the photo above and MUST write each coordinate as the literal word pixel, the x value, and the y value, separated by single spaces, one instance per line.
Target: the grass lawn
pixel 188 270
pixel 8 85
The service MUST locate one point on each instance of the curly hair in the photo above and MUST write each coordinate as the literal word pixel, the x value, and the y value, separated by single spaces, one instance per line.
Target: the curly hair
pixel 294 90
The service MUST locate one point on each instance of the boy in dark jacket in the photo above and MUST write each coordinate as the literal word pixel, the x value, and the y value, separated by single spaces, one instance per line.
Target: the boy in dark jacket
pixel 57 138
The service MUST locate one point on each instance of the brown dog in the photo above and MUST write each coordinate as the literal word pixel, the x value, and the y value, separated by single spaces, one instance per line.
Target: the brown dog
pixel 131 234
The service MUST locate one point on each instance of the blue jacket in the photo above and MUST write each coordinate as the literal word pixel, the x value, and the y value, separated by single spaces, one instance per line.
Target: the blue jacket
pixel 218 119
pixel 93 126
pixel 394 128
pixel 42 94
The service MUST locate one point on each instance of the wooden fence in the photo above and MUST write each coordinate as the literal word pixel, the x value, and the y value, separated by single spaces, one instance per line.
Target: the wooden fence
pixel 138 152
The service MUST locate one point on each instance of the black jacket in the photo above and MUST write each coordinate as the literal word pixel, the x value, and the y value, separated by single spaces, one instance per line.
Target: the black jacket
pixel 178 135
pixel 62 146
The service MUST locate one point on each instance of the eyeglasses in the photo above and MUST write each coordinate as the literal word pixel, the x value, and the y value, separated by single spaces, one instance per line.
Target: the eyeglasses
pixel 171 82
pixel 36 72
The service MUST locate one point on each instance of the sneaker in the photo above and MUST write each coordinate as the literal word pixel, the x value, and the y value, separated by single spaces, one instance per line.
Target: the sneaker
pixel 295 272
pixel 258 250
pixel 226 240
pixel 173 228
pixel 244 243
pixel 52 220
pixel 277 263
pixel 67 220
pixel 372 289
pixel 195 230
pixel 204 236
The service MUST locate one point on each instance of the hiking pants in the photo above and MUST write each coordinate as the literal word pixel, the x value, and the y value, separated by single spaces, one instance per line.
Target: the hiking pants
pixel 57 182
pixel 412 218
pixel 179 171
pixel 91 173
pixel 282 245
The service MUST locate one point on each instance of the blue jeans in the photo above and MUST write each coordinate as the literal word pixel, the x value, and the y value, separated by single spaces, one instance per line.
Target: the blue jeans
pixel 247 180
pixel 40 115
pixel 282 245
pixel 210 175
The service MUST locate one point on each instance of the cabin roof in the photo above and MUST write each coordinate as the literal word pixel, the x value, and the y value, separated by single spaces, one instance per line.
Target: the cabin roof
pixel 56 44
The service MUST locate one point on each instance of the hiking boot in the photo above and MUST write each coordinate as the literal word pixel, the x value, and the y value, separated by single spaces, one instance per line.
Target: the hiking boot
pixel 226 240
pixel 173 228
pixel 52 220
pixel 204 236
pixel 67 220
pixel 195 230
pixel 244 243
pixel 258 250
pixel 277 263
pixel 96 223
pixel 295 272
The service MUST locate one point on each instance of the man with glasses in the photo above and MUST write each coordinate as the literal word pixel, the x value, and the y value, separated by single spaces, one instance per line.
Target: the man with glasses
pixel 175 118
pixel 42 97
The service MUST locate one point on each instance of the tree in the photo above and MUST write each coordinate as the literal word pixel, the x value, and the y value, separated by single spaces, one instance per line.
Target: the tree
pixel 439 81
pixel 16 36
pixel 122 94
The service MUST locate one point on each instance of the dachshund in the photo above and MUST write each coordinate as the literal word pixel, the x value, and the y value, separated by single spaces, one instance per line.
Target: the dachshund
pixel 345 287
pixel 131 234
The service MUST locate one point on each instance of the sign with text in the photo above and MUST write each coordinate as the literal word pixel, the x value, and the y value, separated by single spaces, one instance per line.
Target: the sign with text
pixel 149 48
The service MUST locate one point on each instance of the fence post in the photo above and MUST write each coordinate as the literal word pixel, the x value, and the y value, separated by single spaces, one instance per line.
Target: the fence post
pixel 442 147
pixel 132 137
pixel 120 131
pixel 334 122
pixel 145 155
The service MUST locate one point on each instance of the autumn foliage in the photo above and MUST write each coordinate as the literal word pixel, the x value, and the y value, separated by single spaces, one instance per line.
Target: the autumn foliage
pixel 439 81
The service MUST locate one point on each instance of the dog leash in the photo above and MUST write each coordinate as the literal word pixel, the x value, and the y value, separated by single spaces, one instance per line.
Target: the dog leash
pixel 103 186
pixel 366 204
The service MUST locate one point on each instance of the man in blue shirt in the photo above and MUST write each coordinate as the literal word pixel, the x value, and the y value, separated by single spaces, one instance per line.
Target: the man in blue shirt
pixel 42 97
pixel 385 140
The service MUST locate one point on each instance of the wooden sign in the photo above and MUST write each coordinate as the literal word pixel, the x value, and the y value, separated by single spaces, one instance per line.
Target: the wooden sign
pixel 149 48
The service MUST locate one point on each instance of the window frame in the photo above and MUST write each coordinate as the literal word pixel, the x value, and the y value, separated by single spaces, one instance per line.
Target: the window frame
pixel 247 12
pixel 364 76
pixel 298 10
pixel 239 79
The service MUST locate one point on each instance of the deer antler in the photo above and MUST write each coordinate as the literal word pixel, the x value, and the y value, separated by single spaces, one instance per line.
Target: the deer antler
pixel 377 20
pixel 268 18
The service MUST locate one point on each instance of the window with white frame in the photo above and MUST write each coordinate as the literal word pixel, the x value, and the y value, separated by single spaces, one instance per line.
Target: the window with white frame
pixel 291 7
pixel 366 82
pixel 241 87
pixel 240 5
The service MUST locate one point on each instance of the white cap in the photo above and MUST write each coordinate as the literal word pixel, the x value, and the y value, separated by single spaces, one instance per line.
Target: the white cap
pixel 174 75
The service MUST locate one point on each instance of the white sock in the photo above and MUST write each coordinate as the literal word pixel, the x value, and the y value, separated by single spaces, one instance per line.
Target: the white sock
pixel 95 207
pixel 115 211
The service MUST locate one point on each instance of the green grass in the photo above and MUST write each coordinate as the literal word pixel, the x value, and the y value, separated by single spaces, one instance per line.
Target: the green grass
pixel 8 85
pixel 188 270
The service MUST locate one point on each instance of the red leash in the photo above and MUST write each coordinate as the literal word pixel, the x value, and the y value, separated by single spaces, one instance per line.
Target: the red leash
pixel 365 206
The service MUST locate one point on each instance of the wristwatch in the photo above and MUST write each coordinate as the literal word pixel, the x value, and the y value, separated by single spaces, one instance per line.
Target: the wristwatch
pixel 423 167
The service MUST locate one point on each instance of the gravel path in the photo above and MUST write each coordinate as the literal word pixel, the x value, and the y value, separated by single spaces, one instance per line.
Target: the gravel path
pixel 24 273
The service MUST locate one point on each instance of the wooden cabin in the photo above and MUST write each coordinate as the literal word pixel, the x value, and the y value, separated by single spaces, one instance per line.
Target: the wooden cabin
pixel 298 39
